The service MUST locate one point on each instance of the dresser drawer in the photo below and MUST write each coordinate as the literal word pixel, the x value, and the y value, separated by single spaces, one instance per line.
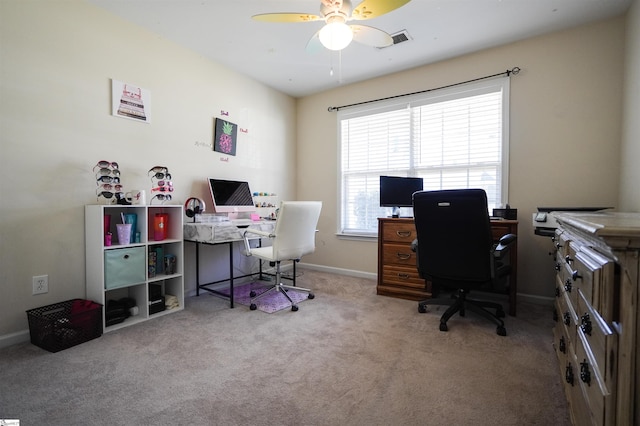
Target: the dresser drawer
pixel 403 276
pixel 597 393
pixel 582 273
pixel 580 412
pixel 567 317
pixel 602 292
pixel 561 243
pixel 403 232
pixel 560 342
pixel 598 340
pixel 399 254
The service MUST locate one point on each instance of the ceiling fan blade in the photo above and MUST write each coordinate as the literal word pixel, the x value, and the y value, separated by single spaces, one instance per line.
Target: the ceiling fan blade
pixel 371 36
pixel 373 8
pixel 286 17
pixel 314 45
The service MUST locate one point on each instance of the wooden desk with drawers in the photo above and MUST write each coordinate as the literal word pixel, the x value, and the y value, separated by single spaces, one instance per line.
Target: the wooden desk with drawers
pixel 397 271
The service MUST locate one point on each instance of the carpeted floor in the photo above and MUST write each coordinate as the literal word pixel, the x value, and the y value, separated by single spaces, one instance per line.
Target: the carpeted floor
pixel 346 357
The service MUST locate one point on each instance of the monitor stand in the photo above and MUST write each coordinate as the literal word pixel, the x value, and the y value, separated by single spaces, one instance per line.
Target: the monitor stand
pixel 395 212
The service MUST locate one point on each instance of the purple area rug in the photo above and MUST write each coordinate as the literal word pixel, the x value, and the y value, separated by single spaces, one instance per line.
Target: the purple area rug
pixel 273 302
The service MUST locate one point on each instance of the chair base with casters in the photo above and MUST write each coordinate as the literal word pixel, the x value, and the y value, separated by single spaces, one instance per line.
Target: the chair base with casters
pixel 279 287
pixel 458 302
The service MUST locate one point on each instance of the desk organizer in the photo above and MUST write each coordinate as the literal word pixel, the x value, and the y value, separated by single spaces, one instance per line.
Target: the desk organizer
pixel 65 324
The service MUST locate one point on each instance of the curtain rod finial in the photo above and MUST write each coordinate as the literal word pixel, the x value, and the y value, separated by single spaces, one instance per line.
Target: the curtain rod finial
pixel 514 71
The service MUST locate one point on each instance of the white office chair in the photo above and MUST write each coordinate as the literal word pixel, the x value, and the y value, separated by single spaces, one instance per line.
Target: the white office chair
pixel 293 237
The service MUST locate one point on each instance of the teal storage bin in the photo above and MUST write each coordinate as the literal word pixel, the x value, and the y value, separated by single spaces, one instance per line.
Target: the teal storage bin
pixel 124 267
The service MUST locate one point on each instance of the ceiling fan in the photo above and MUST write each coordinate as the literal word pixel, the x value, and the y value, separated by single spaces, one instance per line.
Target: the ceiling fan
pixel 336 34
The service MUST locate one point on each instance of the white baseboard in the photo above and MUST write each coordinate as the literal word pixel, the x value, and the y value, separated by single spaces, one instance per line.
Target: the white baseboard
pixel 522 297
pixel 14 338
pixel 339 271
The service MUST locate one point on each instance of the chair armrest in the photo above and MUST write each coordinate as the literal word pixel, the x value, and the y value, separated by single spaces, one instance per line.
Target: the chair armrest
pixel 504 245
pixel 258 232
pixel 245 236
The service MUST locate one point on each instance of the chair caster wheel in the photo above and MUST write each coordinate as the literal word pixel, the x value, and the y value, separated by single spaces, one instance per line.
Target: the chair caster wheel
pixel 443 327
pixel 252 293
pixel 501 331
pixel 294 308
pixel 422 309
pixel 500 313
pixel 311 296
pixel 253 307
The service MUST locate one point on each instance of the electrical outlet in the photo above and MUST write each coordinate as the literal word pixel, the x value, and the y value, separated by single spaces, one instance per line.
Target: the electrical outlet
pixel 41 284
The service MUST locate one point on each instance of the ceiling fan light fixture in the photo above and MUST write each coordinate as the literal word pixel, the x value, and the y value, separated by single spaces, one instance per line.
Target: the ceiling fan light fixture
pixel 335 35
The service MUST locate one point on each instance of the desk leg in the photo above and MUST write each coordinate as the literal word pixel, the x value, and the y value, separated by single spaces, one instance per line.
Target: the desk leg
pixel 231 274
pixel 197 268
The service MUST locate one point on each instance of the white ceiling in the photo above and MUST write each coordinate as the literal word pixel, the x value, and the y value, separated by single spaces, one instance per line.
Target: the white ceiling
pixel 274 53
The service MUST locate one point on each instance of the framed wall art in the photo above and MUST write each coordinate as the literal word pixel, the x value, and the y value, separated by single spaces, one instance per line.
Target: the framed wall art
pixel 130 101
pixel 225 137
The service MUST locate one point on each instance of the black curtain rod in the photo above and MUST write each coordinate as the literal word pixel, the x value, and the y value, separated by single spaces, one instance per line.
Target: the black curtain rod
pixel 513 71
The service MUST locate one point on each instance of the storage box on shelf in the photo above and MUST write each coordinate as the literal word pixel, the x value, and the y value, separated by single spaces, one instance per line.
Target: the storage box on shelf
pixel 122 274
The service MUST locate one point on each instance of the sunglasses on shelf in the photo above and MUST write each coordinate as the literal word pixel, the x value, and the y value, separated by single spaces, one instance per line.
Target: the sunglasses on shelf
pixel 106 164
pixel 162 197
pixel 161 175
pixel 163 189
pixel 106 172
pixel 156 169
pixel 109 187
pixel 108 179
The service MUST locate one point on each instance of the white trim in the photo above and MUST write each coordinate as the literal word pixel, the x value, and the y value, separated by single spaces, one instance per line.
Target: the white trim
pixel 14 338
pixel 339 271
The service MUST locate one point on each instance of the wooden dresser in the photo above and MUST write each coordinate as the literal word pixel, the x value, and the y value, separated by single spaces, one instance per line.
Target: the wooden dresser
pixel 596 312
pixel 397 271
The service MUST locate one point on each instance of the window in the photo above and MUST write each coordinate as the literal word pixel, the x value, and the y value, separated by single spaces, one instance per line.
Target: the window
pixel 452 138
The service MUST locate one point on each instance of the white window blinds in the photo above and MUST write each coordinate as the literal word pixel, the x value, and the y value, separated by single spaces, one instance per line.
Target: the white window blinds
pixel 455 138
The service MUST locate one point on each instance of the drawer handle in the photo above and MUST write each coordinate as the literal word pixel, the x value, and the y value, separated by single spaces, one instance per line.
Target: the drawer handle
pixel 568 259
pixel 562 345
pixel 567 285
pixel 403 276
pixel 403 233
pixel 403 256
pixel 586 324
pixel 566 318
pixel 575 275
pixel 568 374
pixel 585 374
pixel 557 266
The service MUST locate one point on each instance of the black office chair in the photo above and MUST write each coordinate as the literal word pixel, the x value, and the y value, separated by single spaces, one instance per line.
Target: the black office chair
pixel 455 251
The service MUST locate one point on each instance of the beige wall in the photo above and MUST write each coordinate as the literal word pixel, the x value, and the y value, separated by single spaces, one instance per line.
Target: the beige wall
pixel 630 158
pixel 565 134
pixel 57 61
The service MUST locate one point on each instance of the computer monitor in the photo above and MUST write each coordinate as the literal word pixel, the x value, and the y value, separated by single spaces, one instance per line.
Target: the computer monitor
pixel 396 191
pixel 231 196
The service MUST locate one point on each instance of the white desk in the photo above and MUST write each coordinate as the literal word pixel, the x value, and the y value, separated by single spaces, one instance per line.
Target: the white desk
pixel 215 233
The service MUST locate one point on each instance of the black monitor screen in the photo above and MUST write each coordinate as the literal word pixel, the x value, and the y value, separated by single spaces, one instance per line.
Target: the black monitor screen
pixel 398 191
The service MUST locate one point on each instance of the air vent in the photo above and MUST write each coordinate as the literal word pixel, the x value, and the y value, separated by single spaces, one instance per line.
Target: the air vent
pixel 399 37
